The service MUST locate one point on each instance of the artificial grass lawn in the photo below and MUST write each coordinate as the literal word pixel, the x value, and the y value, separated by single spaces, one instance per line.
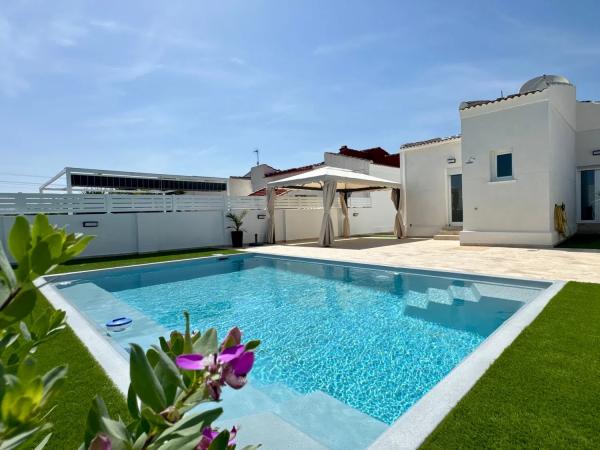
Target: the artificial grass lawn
pixel 543 391
pixel 582 241
pixel 85 377
pixel 106 262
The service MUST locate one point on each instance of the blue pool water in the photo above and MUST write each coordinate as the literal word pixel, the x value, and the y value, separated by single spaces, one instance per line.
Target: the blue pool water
pixel 375 339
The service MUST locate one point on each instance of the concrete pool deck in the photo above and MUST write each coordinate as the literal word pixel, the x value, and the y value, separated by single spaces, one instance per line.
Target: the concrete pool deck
pixel 542 264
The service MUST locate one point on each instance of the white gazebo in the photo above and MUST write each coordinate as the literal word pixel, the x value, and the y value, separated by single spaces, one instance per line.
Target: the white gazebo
pixel 331 180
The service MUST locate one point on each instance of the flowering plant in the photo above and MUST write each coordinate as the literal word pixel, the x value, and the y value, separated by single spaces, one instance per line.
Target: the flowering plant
pixel 26 392
pixel 167 382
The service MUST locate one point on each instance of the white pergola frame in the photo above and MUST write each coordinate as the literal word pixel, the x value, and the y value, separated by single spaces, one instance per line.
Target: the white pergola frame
pixel 346 181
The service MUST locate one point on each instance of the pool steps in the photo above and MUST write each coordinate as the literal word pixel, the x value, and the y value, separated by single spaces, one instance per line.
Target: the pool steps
pixel 101 306
pixel 471 292
pixel 321 418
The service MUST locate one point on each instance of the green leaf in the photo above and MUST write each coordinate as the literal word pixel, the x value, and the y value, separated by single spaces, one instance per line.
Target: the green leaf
pixel 25 331
pixel 21 439
pixel 19 307
pixel 116 430
pixel 6 269
pixel 27 369
pixel 94 424
pixel 43 442
pixel 168 374
pixel 164 345
pixel 152 357
pixel 144 380
pixel 176 343
pixel 19 239
pixel 53 380
pixel 41 228
pixel 41 259
pixel 251 345
pixel 55 245
pixel 23 270
pixel 187 338
pixel 190 423
pixel 207 344
pixel 132 403
pixel 220 442
pixel 75 249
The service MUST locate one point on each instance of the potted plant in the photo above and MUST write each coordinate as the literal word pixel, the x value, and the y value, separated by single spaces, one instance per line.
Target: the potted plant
pixel 237 233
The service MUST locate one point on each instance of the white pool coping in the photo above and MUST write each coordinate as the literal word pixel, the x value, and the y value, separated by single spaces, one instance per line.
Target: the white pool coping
pixel 415 425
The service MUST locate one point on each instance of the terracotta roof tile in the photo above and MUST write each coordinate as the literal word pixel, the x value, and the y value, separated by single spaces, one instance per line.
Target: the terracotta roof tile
pixel 430 141
pixel 376 155
pixel 474 103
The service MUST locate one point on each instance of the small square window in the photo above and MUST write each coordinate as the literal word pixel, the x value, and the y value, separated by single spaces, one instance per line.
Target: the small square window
pixel 504 166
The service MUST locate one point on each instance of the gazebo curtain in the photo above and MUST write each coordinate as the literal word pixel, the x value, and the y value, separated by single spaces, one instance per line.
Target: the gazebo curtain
pixel 398 221
pixel 270 238
pixel 344 206
pixel 326 236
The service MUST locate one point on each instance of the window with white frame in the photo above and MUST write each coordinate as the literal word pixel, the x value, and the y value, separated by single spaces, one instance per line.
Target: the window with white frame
pixel 502 166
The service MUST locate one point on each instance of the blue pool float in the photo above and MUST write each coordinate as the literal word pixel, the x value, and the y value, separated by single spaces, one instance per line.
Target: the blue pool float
pixel 119 324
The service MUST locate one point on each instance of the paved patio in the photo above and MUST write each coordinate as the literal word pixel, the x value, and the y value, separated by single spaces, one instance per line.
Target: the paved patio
pixel 544 264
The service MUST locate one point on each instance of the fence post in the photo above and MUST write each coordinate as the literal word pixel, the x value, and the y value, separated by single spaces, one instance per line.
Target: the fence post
pixel 20 203
pixel 108 203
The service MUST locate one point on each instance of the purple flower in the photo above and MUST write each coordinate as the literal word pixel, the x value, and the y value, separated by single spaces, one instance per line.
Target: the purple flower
pixel 234 337
pixel 209 435
pixel 192 361
pixel 101 442
pixel 238 363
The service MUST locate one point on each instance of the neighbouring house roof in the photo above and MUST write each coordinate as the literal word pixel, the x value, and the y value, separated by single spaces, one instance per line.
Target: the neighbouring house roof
pixel 346 180
pixel 474 103
pixel 376 155
pixel 293 170
pixel 262 192
pixel 430 141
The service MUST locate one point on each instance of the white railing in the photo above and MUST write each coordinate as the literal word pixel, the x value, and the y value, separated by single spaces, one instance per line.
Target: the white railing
pixel 24 203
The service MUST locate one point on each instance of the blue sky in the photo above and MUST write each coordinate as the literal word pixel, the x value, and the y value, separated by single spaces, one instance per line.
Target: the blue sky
pixel 192 87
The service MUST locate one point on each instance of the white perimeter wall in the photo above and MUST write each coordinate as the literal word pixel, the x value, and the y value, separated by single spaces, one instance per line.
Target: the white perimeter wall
pixel 426 179
pixel 129 233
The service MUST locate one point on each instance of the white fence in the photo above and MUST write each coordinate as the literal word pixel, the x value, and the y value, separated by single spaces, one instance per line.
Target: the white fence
pixel 24 203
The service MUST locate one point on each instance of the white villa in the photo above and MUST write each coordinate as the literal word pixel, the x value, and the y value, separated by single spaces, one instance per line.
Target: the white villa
pixel 517 157
pixel 495 184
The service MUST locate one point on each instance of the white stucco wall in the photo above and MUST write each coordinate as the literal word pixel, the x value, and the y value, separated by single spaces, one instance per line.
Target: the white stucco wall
pixel 426 179
pixel 515 211
pixel 588 133
pixel 562 125
pixel 539 129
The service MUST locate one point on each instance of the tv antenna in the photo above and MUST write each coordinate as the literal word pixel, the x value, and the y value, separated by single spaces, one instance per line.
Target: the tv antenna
pixel 257 151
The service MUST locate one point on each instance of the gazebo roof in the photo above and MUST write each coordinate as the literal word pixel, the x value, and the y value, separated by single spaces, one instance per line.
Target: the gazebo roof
pixel 347 180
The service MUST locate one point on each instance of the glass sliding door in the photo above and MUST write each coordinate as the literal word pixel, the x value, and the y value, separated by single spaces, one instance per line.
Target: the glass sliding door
pixel 589 203
pixel 456 206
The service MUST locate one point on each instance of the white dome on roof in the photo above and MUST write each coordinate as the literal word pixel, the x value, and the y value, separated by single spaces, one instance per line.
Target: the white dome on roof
pixel 542 82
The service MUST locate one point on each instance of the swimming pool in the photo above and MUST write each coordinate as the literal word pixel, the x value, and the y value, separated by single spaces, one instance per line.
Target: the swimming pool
pixel 353 343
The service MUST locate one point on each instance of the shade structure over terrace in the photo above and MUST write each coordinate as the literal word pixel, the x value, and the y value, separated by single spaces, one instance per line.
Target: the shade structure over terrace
pixel 329 180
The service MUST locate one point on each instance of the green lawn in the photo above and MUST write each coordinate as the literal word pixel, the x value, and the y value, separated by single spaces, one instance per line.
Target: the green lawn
pixel 103 263
pixel 582 241
pixel 86 377
pixel 543 391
